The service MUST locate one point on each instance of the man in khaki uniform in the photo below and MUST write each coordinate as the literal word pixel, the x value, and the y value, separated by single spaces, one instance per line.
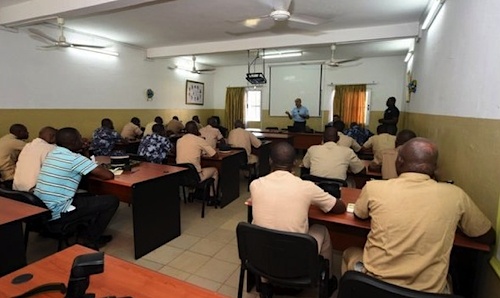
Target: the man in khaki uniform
pixel 413 223
pixel 281 200
pixel 31 159
pixel 344 140
pixel 10 147
pixel 174 125
pixel 190 148
pixel 149 127
pixel 331 160
pixel 383 140
pixel 239 137
pixel 211 134
pixel 132 130
pixel 387 165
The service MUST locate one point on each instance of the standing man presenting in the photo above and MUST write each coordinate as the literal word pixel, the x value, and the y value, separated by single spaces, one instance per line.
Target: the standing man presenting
pixel 299 115
pixel 391 114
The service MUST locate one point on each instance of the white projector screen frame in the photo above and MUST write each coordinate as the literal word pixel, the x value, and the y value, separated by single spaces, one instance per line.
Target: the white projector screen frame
pixel 288 82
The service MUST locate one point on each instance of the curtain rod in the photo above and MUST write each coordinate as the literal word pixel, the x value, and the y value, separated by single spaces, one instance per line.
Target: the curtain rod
pixel 370 83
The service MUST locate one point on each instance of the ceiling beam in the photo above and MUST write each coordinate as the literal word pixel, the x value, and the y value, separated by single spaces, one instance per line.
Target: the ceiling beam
pixel 34 11
pixel 352 35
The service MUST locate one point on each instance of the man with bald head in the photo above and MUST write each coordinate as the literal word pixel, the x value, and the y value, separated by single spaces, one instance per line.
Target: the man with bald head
pixel 211 133
pixel 413 223
pixel 10 147
pixel 190 147
pixel 331 160
pixel 281 200
pixel 31 159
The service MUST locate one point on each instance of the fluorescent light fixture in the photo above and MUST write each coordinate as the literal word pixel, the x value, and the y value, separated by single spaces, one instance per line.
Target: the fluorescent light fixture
pixel 431 15
pixel 105 52
pixel 282 55
pixel 408 56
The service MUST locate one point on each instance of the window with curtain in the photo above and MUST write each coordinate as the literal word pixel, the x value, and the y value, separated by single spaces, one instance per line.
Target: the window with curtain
pixel 350 103
pixel 252 112
pixel 235 105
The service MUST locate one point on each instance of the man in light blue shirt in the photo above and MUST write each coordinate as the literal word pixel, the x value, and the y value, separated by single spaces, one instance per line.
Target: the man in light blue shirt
pixel 299 115
pixel 59 177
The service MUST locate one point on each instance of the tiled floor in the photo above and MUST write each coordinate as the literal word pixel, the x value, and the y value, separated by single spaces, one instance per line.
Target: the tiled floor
pixel 205 254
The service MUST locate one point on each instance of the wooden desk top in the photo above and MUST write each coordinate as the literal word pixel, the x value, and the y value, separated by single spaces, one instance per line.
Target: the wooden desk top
pixel 371 173
pixel 11 210
pixel 350 195
pixel 222 154
pixel 272 135
pixel 140 173
pixel 119 279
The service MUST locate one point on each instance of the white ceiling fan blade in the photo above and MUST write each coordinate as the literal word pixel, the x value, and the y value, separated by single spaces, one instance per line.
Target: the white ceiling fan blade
pixel 305 19
pixel 281 4
pixel 40 33
pixel 40 39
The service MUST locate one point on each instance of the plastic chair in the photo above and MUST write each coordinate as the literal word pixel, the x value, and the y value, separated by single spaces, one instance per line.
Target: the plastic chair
pixel 355 284
pixel 283 258
pixel 332 186
pixel 43 223
pixel 191 179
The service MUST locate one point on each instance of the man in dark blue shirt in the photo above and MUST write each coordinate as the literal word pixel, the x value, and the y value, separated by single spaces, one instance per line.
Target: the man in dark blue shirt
pixel 391 115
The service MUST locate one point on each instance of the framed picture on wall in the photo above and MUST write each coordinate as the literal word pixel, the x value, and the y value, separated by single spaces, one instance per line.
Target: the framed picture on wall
pixel 194 93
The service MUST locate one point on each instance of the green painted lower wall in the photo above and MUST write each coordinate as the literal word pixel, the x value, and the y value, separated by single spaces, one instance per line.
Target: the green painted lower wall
pixel 469 154
pixel 88 120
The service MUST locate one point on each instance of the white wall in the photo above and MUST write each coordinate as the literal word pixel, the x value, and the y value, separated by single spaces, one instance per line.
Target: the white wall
pixel 387 72
pixel 456 62
pixel 69 78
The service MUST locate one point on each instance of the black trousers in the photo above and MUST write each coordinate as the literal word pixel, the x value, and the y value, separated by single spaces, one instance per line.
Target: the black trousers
pixel 299 126
pixel 100 208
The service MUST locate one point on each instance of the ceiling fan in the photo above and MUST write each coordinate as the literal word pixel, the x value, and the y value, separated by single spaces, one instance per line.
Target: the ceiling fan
pixel 193 69
pixel 281 12
pixel 337 62
pixel 61 41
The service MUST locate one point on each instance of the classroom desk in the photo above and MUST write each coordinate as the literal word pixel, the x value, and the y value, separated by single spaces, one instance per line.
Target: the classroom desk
pixel 153 191
pixel 273 136
pixel 361 178
pixel 12 249
pixel 263 152
pixel 303 140
pixel 120 279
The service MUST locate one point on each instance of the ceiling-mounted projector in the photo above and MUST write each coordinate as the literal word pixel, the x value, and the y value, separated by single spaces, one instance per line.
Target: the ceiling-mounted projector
pixel 256 78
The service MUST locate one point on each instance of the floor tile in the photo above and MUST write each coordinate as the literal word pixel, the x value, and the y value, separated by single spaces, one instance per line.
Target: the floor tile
pixel 229 253
pixel 216 270
pixel 207 247
pixel 203 282
pixel 189 261
pixel 184 241
pixel 163 254
pixel 179 274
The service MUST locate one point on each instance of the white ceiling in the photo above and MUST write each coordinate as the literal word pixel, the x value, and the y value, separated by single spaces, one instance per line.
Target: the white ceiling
pixel 213 29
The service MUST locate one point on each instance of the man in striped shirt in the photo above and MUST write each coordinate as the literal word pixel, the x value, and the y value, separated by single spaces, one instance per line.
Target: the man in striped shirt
pixel 58 181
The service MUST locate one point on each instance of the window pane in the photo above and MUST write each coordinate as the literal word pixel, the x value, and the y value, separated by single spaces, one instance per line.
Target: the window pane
pixel 252 112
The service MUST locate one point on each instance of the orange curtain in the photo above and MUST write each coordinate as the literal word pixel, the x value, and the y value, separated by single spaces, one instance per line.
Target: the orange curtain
pixel 350 103
pixel 235 105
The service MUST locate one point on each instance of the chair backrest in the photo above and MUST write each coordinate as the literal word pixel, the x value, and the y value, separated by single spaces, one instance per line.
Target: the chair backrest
pixel 189 177
pixel 355 284
pixel 244 157
pixel 283 257
pixel 331 186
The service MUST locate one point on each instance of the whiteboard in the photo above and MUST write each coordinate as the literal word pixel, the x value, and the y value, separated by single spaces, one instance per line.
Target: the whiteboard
pixel 288 82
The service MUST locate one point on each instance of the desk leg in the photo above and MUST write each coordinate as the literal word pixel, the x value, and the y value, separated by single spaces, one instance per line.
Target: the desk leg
pixel 250 276
pixel 12 252
pixel 229 179
pixel 156 213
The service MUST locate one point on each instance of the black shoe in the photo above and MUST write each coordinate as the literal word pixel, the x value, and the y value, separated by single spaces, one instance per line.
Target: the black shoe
pixel 213 202
pixel 99 243
pixel 103 239
pixel 332 285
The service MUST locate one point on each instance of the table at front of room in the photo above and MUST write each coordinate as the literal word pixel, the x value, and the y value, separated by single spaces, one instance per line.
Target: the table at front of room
pixel 119 279
pixel 153 191
pixel 346 230
pixel 12 248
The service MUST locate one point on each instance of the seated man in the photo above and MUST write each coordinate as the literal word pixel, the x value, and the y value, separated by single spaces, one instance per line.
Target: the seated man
pixel 61 172
pixel 10 147
pixel 174 125
pixel 104 138
pixel 155 147
pixel 413 223
pixel 388 163
pixel 149 127
pixel 239 137
pixel 344 140
pixel 190 147
pixel 331 160
pixel 196 119
pixel 31 158
pixel 358 132
pixel 132 130
pixel 281 201
pixel 383 140
pixel 211 134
